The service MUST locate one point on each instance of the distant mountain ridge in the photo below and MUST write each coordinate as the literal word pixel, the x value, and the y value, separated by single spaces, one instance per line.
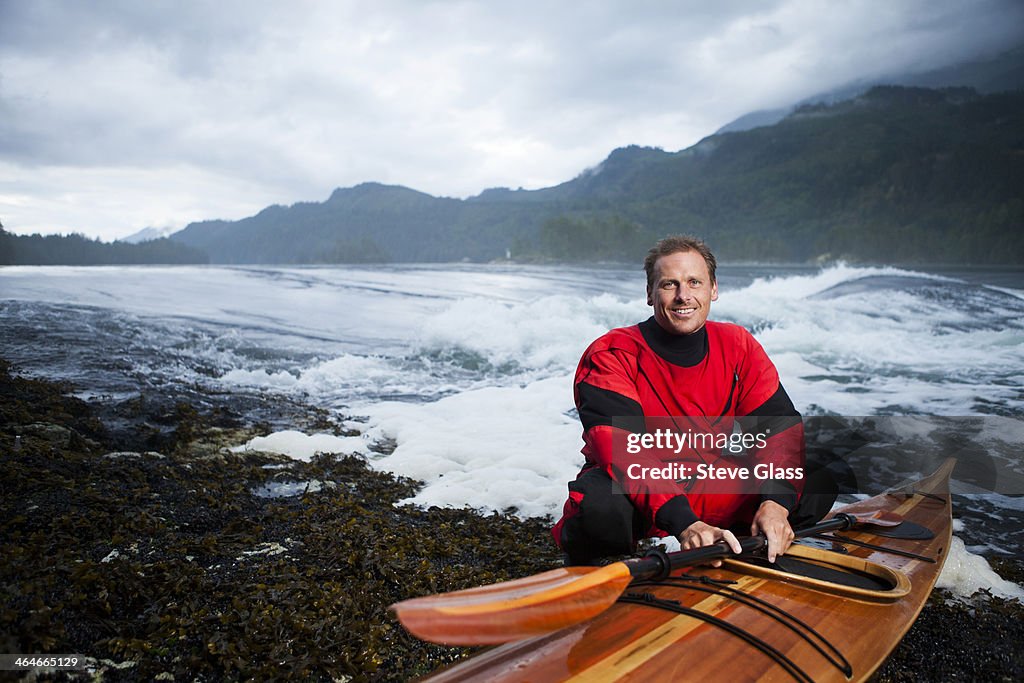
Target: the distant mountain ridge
pixel 370 222
pixel 897 173
pixel 147 234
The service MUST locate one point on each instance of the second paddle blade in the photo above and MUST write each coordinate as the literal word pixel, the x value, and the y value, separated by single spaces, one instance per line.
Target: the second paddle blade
pixel 513 610
pixel 879 518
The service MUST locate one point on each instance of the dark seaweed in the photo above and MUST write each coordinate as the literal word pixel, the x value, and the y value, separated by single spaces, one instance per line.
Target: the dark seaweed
pixel 181 595
pixel 953 641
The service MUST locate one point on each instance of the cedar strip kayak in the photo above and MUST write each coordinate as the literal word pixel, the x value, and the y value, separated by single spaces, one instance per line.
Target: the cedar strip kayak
pixel 746 621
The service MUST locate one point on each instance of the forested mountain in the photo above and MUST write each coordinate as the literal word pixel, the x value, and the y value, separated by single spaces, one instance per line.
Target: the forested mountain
pixel 368 223
pixel 896 174
pixel 75 250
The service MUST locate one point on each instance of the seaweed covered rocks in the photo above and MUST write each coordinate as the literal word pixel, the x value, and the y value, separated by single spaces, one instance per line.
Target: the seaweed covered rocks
pixel 199 563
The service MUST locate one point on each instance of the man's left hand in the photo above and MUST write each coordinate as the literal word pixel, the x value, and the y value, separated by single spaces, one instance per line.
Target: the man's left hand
pixel 772 520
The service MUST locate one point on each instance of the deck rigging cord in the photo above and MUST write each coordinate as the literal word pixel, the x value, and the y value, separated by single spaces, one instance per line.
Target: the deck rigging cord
pixel 725 589
pixel 651 600
pixel 837 538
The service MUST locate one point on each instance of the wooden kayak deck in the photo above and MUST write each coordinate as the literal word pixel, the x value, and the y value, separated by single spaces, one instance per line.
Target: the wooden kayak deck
pixel 799 632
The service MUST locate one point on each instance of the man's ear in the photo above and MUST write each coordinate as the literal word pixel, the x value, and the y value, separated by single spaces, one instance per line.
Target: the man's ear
pixel 714 291
pixel 650 299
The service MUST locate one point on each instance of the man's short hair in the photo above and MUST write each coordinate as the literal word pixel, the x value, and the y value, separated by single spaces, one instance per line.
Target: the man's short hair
pixel 673 244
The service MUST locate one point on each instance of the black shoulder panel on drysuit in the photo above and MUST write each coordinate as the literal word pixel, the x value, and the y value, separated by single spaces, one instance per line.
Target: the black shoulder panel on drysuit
pixel 599 406
pixel 775 415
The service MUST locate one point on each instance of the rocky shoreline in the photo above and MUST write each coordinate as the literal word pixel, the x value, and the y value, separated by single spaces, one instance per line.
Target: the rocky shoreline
pixel 133 536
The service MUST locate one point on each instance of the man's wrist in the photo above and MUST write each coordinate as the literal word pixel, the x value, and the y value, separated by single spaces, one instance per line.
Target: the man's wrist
pixel 675 516
pixel 780 493
pixel 769 503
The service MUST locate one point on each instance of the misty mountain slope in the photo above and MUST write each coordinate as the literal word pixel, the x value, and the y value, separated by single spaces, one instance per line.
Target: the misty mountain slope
pixel 878 177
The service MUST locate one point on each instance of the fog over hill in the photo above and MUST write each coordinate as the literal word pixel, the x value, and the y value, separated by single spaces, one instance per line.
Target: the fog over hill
pixel 995 74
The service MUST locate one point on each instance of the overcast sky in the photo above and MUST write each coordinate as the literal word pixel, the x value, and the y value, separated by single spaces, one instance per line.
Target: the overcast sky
pixel 119 115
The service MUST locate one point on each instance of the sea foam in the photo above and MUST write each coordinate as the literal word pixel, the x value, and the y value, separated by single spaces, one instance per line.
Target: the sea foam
pixel 964 574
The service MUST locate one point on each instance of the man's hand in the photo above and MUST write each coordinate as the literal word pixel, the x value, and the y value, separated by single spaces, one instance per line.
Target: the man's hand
pixel 699 534
pixel 772 520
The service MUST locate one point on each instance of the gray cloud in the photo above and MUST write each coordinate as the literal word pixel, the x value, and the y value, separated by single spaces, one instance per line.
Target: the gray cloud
pixel 118 115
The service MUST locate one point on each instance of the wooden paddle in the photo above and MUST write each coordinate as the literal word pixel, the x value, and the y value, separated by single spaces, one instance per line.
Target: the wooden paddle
pixel 539 604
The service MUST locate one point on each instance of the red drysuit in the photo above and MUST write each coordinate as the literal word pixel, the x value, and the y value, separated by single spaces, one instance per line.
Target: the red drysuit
pixel 635 377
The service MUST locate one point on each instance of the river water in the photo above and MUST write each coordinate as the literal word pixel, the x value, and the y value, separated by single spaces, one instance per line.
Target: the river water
pixel 467 368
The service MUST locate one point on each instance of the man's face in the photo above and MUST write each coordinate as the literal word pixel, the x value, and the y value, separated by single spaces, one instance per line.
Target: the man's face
pixel 681 292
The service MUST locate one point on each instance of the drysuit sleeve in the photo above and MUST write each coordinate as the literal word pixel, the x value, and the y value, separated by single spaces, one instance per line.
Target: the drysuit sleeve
pixel 610 410
pixel 765 409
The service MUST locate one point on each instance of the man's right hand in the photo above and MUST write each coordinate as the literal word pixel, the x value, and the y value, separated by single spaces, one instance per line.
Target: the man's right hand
pixel 699 534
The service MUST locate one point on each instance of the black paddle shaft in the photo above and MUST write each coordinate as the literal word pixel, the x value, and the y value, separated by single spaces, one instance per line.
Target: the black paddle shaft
pixel 659 563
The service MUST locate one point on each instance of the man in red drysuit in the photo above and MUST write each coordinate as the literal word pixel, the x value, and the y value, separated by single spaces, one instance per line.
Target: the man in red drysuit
pixel 700 378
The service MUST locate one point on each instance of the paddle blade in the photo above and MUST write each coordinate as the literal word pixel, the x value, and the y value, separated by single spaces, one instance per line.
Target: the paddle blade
pixel 513 610
pixel 878 518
